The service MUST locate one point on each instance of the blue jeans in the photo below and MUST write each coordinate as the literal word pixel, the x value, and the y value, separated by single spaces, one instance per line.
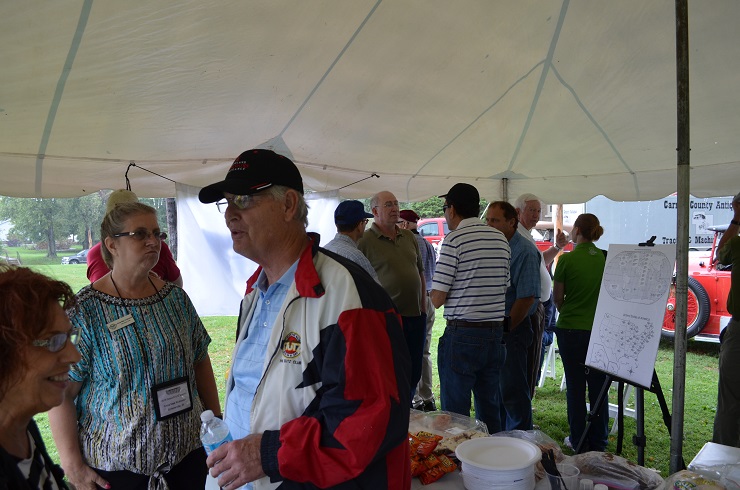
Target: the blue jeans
pixel 415 333
pixel 573 346
pixel 470 360
pixel 516 403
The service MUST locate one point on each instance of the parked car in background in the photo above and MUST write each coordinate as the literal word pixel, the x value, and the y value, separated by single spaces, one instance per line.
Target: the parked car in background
pixel 708 287
pixel 78 258
pixel 543 235
pixel 433 229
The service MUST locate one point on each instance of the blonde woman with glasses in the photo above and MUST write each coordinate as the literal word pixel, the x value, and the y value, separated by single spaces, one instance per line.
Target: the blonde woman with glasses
pixel 131 417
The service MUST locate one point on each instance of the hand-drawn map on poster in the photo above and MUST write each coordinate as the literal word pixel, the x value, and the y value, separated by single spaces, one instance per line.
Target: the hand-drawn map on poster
pixel 626 331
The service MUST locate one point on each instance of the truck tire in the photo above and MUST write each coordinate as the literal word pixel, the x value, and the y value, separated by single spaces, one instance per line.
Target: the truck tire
pixel 697 311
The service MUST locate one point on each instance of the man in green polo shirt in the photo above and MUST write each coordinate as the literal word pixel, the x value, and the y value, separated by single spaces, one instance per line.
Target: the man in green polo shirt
pixel 396 257
pixel 727 417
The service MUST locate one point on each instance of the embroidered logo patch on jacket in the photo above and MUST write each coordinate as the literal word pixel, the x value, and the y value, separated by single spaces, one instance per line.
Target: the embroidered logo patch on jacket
pixel 291 345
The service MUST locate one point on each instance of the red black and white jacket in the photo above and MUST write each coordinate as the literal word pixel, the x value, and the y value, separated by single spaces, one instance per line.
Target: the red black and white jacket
pixel 333 401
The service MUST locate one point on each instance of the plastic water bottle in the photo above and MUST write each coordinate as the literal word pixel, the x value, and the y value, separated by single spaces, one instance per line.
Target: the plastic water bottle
pixel 213 431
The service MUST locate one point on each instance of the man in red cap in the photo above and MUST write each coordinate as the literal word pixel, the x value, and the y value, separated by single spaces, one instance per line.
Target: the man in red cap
pixel 424 398
pixel 320 354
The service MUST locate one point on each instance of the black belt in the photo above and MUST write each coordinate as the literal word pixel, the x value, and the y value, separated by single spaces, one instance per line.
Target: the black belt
pixel 466 324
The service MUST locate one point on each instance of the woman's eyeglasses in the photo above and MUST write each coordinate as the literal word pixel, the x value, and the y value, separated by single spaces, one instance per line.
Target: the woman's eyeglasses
pixel 57 342
pixel 141 235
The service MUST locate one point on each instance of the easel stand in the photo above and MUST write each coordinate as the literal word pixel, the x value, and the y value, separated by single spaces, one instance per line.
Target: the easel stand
pixel 638 439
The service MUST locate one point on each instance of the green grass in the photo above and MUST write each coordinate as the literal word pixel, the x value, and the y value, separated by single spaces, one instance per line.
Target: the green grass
pixel 700 402
pixel 30 257
pixel 73 274
pixel 549 403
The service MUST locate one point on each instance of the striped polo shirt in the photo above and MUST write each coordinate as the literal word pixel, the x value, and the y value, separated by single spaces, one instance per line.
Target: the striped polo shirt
pixel 473 269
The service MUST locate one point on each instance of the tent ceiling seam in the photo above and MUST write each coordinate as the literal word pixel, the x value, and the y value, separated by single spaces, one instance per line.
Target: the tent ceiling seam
pixel 57 99
pixel 598 128
pixel 331 68
pixel 472 123
pixel 541 83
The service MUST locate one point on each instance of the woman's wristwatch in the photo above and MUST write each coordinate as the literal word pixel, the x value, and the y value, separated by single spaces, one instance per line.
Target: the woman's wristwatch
pixel 557 247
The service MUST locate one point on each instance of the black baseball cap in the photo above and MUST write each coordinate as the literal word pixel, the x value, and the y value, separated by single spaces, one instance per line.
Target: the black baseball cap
pixel 461 194
pixel 253 171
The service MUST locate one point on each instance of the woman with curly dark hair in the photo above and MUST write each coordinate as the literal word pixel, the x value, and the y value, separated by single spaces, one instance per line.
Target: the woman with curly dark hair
pixel 37 349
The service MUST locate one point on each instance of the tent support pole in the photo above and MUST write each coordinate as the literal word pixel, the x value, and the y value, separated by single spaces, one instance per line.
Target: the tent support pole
pixel 682 232
pixel 505 189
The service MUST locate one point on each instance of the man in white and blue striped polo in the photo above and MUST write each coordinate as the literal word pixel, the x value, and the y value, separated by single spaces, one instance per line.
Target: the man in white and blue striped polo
pixel 470 281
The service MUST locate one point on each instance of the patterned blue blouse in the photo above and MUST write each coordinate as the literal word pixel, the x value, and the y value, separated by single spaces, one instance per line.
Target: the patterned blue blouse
pixel 117 424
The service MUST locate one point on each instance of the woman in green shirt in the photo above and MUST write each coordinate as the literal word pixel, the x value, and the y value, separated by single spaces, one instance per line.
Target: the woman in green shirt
pixel 576 287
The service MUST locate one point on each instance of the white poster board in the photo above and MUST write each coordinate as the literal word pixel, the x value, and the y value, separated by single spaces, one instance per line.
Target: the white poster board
pixel 629 315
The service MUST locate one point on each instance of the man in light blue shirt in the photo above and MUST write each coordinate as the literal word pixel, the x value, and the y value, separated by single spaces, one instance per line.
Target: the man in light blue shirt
pixel 522 297
pixel 351 219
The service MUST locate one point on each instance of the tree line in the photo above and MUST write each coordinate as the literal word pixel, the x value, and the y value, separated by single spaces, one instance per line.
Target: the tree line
pixel 54 220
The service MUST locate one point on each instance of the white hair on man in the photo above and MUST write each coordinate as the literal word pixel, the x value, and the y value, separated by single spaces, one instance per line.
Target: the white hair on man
pixel 521 201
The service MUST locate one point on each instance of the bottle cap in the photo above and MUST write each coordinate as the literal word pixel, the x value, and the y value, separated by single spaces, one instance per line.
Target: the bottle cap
pixel 206 416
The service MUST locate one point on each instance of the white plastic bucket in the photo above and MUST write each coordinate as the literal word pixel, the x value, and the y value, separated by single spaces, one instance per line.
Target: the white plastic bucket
pixel 498 463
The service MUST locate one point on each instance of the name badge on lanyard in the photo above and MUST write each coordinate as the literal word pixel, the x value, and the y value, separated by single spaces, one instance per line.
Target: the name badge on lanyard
pixel 124 321
pixel 172 398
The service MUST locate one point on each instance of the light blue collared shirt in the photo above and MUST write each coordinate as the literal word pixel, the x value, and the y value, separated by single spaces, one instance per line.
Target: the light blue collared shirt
pixel 249 362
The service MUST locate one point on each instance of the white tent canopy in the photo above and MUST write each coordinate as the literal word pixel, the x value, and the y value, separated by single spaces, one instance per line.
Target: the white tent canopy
pixel 566 99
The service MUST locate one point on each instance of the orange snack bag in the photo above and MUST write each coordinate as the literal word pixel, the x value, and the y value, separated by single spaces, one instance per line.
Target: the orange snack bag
pixel 413 443
pixel 431 461
pixel 431 475
pixel 417 467
pixel 427 443
pixel 446 463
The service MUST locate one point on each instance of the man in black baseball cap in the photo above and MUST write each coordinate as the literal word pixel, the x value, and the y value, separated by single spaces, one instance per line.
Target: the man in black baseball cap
pixel 471 279
pixel 465 198
pixel 301 302
pixel 253 171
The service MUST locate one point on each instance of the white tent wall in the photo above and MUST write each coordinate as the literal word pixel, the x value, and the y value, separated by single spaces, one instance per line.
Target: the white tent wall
pixel 214 275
